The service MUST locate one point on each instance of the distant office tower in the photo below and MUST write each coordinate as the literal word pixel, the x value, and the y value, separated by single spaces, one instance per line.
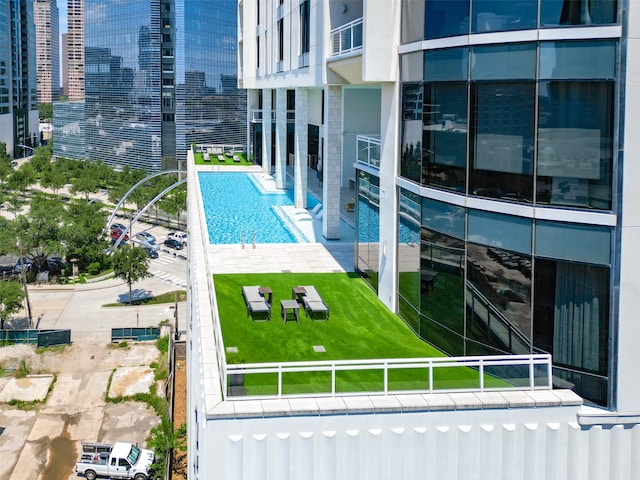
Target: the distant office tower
pixel 47 50
pixel 65 64
pixel 159 76
pixel 210 108
pixel 18 91
pixel 75 50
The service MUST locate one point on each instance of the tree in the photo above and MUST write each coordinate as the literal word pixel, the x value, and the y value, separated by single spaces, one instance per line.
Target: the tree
pixel 21 179
pixel 53 178
pixel 175 201
pixel 87 182
pixel 45 111
pixel 131 264
pixel 11 298
pixel 39 229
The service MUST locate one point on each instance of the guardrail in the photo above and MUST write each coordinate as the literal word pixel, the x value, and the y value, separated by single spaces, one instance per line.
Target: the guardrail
pixel 368 150
pixel 383 377
pixel 347 38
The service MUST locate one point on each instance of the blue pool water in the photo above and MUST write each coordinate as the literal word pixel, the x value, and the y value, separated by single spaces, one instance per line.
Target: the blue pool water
pixel 235 209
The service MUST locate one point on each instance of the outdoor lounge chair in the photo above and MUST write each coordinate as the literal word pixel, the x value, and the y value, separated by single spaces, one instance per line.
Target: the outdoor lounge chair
pixel 222 158
pixel 236 158
pixel 314 304
pixel 256 303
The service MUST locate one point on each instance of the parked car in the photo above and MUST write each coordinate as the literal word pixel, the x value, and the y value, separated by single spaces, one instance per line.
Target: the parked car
pixel 145 236
pixel 151 252
pixel 179 236
pixel 120 460
pixel 26 262
pixel 116 233
pixel 118 226
pixel 170 242
pixel 146 244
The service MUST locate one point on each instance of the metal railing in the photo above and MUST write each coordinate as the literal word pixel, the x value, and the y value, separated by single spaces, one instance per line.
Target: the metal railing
pixel 389 376
pixel 368 150
pixel 347 38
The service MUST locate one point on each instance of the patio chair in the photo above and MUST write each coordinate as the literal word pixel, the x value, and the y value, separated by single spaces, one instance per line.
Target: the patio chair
pixel 314 304
pixel 222 158
pixel 255 302
pixel 236 158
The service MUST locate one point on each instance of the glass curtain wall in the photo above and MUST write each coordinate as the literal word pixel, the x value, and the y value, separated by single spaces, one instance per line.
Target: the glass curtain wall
pixel 488 283
pixel 210 108
pixel 447 18
pixel 368 228
pixel 122 79
pixel 529 123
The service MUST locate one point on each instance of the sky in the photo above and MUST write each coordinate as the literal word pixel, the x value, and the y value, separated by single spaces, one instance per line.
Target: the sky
pixel 62 12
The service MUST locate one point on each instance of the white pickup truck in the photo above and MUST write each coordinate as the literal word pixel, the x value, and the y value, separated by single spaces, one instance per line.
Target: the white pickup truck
pixel 120 460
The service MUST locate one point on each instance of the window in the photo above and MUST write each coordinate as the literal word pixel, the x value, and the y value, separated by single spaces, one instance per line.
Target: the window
pixel 578 12
pixel 305 26
pixel 258 52
pixel 280 40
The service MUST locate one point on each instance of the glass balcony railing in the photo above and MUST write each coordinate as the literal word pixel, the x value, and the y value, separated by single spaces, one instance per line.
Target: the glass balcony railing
pixel 368 150
pixel 347 38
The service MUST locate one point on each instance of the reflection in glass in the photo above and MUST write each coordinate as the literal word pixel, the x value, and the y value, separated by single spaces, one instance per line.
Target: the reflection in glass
pixel 499 298
pixel 578 12
pixel 445 135
pixel 411 159
pixel 502 142
pixel 368 227
pixel 445 18
pixel 503 15
pixel 409 251
pixel 511 61
pixel 575 144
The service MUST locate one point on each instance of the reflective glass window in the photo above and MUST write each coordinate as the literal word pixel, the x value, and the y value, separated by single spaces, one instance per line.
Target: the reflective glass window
pixel 448 64
pixel 570 241
pixel 368 227
pixel 507 232
pixel 498 296
pixel 576 60
pixel 504 62
pixel 446 18
pixel 409 251
pixel 501 146
pixel 443 218
pixel 578 12
pixel 444 135
pixel 442 267
pixel 503 15
pixel 411 156
pixel 572 323
pixel 575 143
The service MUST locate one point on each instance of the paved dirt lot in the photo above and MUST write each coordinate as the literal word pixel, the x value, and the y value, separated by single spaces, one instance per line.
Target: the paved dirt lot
pixel 43 443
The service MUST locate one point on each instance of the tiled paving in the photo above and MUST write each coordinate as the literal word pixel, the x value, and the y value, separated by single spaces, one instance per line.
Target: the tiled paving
pixel 320 256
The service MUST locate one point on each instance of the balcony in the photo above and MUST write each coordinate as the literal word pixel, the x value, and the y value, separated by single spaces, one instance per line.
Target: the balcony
pixel 347 38
pixel 368 150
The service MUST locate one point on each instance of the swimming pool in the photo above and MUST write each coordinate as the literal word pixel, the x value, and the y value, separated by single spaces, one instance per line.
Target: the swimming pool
pixel 237 211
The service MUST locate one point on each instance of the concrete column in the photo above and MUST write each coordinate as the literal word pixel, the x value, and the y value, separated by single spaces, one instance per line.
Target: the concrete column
pixel 302 148
pixel 332 163
pixel 281 137
pixel 389 135
pixel 266 130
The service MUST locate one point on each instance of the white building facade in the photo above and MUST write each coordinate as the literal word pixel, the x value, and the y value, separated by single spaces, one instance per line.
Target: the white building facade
pixel 495 213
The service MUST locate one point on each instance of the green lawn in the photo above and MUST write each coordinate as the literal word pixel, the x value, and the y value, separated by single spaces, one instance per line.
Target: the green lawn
pixel 359 327
pixel 199 160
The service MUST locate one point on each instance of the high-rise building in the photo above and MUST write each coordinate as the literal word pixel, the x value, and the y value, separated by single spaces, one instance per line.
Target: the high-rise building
pixel 142 106
pixel 64 59
pixel 490 146
pixel 47 50
pixel 75 50
pixel 18 90
pixel 210 109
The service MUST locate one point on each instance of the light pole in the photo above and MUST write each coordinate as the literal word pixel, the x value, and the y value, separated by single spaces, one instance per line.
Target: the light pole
pixel 24 283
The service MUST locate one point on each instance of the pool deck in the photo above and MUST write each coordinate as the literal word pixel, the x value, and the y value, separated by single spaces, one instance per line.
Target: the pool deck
pixel 319 255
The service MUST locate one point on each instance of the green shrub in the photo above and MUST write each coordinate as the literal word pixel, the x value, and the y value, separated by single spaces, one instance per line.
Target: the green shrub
pixel 23 369
pixel 93 268
pixel 163 344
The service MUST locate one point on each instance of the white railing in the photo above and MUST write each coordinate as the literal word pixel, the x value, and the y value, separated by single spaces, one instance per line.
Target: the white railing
pixel 473 374
pixel 347 38
pixel 255 116
pixel 368 150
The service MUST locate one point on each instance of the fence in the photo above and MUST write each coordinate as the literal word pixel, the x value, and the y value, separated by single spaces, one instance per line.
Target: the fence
pixel 134 333
pixel 41 338
pixel 382 377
